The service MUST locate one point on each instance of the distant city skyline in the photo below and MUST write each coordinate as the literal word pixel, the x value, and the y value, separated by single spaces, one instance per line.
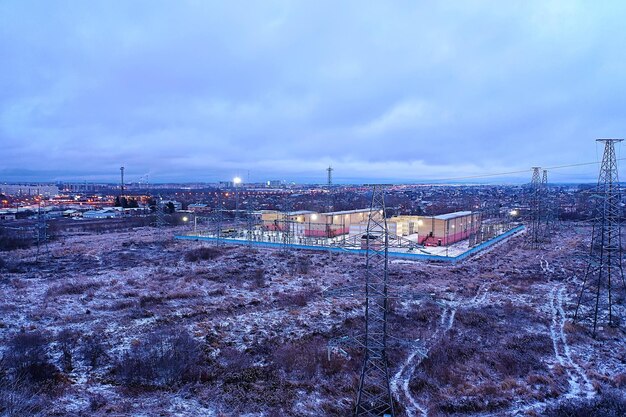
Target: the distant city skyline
pixel 399 92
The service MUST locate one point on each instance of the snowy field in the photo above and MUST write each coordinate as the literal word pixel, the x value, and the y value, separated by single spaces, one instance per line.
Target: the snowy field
pixel 139 324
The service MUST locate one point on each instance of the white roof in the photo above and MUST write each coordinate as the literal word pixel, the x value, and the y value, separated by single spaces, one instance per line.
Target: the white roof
pixel 334 213
pixel 454 215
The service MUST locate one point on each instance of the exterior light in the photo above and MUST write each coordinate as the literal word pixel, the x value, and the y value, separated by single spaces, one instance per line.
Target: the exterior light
pixel 420 222
pixel 237 180
pixel 314 216
pixel 514 213
pixel 185 218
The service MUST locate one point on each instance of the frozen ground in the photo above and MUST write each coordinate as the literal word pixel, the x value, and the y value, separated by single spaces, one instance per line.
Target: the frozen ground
pixel 249 329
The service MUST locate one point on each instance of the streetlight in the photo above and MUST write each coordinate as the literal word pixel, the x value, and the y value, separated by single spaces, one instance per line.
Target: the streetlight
pixel 236 182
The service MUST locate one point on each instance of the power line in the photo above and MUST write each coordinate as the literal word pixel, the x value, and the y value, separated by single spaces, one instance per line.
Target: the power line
pixel 524 171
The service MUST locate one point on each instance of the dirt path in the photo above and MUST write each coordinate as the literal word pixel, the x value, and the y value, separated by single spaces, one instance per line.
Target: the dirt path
pixel 578 380
pixel 579 383
pixel 400 381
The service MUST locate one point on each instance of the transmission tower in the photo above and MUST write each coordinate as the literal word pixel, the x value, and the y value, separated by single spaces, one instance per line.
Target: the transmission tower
pixel 548 207
pixel 285 223
pixel 534 232
pixel 218 218
pixel 374 395
pixel 250 221
pixel 604 268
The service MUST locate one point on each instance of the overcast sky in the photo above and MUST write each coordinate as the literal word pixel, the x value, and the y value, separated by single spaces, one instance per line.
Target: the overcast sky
pixel 383 91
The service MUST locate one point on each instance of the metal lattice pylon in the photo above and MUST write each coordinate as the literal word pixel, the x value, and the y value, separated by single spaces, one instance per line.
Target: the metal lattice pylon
pixel 548 207
pixel 285 224
pixel 374 395
pixel 329 185
pixel 250 221
pixel 218 219
pixel 604 268
pixel 535 226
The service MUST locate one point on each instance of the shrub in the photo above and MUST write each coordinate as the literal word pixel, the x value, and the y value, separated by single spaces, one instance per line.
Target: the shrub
pixel 67 342
pixel 72 288
pixel 146 300
pixel 92 350
pixel 475 319
pixel 258 278
pixel 18 400
pixel 302 265
pixel 96 401
pixel 27 357
pixel 204 254
pixel 442 358
pixel 298 298
pixel 8 243
pixel 166 357
pixel 609 404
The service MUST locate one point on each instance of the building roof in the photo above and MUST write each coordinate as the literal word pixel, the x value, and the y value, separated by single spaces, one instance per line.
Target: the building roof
pixel 335 213
pixel 300 212
pixel 454 215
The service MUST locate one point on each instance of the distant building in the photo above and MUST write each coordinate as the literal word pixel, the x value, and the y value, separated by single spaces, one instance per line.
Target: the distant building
pixel 22 190
pixel 177 204
pixel 72 213
pixel 101 214
pixel 7 216
pixel 198 208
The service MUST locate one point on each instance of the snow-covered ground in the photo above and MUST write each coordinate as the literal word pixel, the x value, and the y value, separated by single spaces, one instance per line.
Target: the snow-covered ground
pixel 497 329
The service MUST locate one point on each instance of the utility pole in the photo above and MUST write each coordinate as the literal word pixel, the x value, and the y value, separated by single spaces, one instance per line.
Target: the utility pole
pixel 329 184
pixel 374 395
pixel 121 185
pixel 604 267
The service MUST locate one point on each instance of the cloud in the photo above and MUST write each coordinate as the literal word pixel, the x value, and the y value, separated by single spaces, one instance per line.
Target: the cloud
pixel 399 90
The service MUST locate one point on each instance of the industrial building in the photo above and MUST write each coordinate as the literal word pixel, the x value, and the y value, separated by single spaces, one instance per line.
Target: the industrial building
pixel 313 224
pixel 446 229
pixel 441 230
